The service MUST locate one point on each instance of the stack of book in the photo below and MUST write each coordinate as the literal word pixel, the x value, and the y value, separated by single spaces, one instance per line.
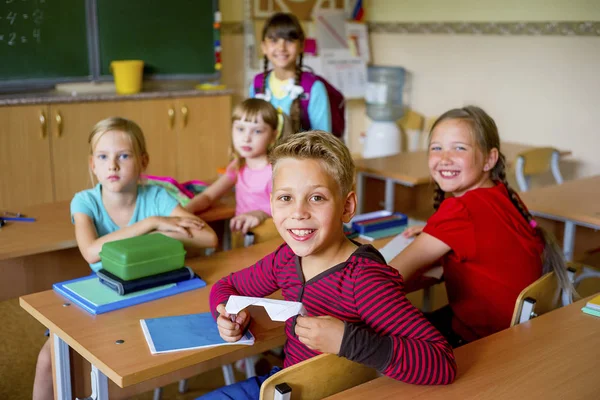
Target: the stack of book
pixel 377 224
pixel 593 306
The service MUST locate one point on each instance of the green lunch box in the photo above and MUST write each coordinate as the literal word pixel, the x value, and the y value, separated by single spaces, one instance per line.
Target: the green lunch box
pixel 142 256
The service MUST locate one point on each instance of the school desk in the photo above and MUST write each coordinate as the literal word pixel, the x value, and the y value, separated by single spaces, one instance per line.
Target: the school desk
pixel 574 202
pixel 410 170
pixel 554 356
pixel 34 255
pixel 130 363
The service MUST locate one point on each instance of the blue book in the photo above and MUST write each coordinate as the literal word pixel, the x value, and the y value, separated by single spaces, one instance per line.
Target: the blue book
pixel 185 332
pixel 96 298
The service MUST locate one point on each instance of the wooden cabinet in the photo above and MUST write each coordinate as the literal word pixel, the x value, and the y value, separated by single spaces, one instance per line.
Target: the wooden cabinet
pixel 204 138
pixel 46 152
pixel 25 161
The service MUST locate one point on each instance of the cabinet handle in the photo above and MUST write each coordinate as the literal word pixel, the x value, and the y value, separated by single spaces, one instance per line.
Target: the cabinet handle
pixel 171 114
pixel 42 124
pixel 184 114
pixel 59 124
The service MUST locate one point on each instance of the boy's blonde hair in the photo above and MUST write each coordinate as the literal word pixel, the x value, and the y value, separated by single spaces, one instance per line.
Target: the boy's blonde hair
pixel 130 129
pixel 249 110
pixel 322 146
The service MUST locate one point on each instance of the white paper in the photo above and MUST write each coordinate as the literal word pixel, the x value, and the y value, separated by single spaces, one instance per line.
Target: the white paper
pixel 395 247
pixel 278 310
pixel 345 72
pixel 358 38
pixel 330 29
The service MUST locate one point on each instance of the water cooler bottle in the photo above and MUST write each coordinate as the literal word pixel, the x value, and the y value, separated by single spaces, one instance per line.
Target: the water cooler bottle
pixel 384 106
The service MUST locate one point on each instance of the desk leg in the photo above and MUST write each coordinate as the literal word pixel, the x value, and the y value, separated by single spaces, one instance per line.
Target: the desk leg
pixel 62 365
pixel 360 192
pixel 226 236
pixel 569 240
pixel 99 385
pixel 427 299
pixel 389 194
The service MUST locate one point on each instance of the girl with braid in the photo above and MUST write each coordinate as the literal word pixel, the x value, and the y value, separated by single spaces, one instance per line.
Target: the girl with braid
pixel 283 46
pixel 490 245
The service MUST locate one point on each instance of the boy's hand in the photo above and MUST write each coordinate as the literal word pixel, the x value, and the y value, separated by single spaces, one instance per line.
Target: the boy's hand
pixel 413 231
pixel 231 331
pixel 245 222
pixel 182 225
pixel 323 333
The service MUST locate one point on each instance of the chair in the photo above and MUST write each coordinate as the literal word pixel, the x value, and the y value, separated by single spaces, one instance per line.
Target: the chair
pixel 534 162
pixel 544 295
pixel 411 125
pixel 316 378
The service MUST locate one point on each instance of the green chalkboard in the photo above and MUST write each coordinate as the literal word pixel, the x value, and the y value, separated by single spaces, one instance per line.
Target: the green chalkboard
pixel 43 39
pixel 172 37
pixel 49 41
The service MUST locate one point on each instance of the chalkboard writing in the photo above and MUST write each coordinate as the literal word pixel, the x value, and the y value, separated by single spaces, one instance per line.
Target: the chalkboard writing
pixel 49 41
pixel 43 39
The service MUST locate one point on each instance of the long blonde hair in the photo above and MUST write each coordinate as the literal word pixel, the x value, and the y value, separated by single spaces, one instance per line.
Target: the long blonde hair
pixel 250 110
pixel 131 130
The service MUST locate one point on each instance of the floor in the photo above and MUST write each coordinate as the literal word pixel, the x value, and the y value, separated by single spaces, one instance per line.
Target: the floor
pixel 21 338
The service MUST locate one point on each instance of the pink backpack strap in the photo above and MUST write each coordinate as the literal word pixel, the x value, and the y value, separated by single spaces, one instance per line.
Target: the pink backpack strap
pixel 258 82
pixel 307 80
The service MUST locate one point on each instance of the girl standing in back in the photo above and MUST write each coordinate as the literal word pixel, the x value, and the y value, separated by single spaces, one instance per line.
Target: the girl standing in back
pixel 490 245
pixel 283 46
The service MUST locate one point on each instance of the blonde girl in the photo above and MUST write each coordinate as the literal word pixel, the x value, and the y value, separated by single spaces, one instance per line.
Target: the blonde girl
pixel 490 245
pixel 120 207
pixel 256 127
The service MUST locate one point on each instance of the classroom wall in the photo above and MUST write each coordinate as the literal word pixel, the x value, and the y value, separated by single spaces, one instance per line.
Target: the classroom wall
pixel 541 89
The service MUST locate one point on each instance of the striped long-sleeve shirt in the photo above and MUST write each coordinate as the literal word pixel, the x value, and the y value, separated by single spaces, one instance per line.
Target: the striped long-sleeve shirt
pixel 382 328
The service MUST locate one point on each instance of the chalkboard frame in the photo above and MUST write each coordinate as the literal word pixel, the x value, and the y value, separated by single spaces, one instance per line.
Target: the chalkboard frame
pixel 94 75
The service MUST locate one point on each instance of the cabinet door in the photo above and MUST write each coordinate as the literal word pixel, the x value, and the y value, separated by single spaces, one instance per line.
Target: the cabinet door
pixel 25 166
pixel 72 124
pixel 204 136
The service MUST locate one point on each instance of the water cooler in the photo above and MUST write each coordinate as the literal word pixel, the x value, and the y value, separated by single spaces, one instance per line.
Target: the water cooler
pixel 384 107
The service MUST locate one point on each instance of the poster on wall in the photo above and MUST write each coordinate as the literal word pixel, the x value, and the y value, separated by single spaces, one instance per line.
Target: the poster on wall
pixel 302 9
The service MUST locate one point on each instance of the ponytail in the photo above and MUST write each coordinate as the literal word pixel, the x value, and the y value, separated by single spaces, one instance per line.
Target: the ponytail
pixel 553 259
pixel 295 107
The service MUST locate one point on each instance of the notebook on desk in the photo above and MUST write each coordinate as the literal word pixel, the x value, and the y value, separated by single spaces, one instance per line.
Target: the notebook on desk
pixel 96 298
pixel 185 332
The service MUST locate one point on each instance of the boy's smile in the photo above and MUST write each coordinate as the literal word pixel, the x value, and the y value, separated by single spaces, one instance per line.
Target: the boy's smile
pixel 307 206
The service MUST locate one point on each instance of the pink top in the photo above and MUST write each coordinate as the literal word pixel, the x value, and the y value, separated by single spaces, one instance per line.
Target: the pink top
pixel 253 188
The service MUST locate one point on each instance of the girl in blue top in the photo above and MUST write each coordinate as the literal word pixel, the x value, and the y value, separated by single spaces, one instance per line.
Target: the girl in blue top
pixel 119 207
pixel 283 46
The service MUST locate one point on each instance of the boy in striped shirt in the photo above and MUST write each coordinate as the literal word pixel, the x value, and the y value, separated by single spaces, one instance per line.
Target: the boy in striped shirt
pixel 355 303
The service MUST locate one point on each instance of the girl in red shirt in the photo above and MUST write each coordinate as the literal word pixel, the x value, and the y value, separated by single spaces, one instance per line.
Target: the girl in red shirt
pixel 490 245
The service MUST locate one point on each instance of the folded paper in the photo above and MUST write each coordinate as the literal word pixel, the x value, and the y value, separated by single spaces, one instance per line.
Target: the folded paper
pixel 278 310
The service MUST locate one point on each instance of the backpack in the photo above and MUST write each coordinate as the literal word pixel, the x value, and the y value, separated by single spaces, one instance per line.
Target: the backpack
pixel 182 192
pixel 337 105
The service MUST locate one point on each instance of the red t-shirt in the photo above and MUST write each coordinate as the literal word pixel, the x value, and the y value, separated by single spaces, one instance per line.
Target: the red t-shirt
pixel 495 255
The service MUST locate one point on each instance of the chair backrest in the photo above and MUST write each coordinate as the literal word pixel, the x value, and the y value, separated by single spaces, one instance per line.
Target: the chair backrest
pixel 318 377
pixel 411 125
pixel 544 295
pixel 534 162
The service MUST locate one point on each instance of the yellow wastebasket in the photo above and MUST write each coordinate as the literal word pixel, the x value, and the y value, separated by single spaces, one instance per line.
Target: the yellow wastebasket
pixel 128 75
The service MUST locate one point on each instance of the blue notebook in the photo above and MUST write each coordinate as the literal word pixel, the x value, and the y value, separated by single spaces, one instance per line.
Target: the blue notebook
pixel 185 332
pixel 96 298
